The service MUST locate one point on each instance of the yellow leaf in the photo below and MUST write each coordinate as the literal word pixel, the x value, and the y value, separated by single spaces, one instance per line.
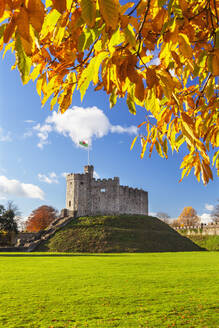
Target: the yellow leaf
pixel 216 154
pixel 66 100
pixel 58 35
pixel 152 103
pixel 36 71
pixel 131 104
pixel 133 142
pixel 115 39
pixel 39 85
pixel 159 149
pixel 35 10
pixel 88 8
pixel 130 35
pixel 185 45
pixel 144 144
pixel 109 10
pixel 98 60
pixel 50 22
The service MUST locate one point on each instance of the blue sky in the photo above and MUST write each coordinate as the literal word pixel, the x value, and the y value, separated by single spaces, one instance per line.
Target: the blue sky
pixel 37 147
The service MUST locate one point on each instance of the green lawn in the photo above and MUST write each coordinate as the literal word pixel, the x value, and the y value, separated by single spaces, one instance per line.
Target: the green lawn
pixel 122 290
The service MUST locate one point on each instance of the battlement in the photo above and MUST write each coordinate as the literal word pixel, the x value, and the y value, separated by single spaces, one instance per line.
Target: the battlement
pixel 90 196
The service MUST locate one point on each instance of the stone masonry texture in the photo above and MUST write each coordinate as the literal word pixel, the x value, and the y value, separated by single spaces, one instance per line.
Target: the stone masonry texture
pixel 87 196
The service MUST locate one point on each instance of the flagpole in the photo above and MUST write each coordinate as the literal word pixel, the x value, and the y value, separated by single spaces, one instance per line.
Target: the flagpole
pixel 88 154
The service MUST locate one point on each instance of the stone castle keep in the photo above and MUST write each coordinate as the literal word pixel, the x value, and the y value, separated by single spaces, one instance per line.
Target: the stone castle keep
pixel 87 196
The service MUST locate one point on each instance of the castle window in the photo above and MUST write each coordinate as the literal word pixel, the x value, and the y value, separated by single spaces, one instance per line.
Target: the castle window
pixel 70 183
pixel 69 203
pixel 82 183
pixel 102 190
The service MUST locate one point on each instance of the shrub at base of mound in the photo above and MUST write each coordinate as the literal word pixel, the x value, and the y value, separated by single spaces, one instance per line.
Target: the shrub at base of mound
pixel 211 243
pixel 123 233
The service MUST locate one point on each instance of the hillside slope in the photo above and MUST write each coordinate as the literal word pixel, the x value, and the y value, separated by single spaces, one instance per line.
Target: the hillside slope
pixel 123 233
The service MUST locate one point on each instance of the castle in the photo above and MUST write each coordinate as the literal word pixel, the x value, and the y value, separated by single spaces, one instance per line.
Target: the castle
pixel 87 196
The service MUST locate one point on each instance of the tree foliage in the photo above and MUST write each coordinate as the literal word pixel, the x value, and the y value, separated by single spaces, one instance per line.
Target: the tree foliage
pixel 215 214
pixel 163 216
pixel 162 55
pixel 8 221
pixel 41 218
pixel 188 217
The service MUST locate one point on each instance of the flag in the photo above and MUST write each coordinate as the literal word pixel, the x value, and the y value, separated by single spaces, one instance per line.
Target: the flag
pixel 83 143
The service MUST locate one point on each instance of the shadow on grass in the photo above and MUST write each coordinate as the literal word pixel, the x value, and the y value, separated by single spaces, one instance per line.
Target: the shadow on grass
pixel 59 255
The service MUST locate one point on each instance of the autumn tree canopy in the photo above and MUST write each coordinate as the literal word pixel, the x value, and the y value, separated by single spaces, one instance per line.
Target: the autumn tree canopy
pixel 161 55
pixel 188 217
pixel 41 218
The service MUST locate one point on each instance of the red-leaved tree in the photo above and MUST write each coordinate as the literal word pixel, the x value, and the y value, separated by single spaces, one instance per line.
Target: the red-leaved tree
pixel 41 218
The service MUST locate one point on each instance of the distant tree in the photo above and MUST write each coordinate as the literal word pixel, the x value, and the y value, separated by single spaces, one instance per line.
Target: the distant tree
pixel 175 223
pixel 41 218
pixel 163 216
pixel 188 217
pixel 215 214
pixel 8 218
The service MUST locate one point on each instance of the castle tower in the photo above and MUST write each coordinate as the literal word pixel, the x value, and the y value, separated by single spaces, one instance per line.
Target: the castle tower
pixel 89 169
pixel 78 191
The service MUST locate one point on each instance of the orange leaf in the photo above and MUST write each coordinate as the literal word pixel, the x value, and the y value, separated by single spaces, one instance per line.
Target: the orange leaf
pixel 28 46
pixel 35 10
pixel 151 78
pixel 88 13
pixel 2 7
pixel 109 9
pixel 59 5
pixel 215 65
pixel 10 28
pixel 139 90
pixel 22 22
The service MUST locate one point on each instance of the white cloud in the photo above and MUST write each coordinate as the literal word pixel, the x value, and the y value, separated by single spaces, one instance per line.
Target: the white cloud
pixel 64 174
pixel 51 178
pixel 120 129
pixel 29 121
pixel 42 133
pixel 152 214
pixel 28 133
pixel 96 175
pixel 5 136
pixel 205 218
pixel 17 188
pixel 209 207
pixel 78 124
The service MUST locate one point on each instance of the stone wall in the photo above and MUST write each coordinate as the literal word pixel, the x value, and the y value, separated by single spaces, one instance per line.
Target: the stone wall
pixel 205 230
pixel 89 196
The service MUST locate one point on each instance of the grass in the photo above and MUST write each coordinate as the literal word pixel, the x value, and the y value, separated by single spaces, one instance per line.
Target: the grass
pixel 210 243
pixel 109 290
pixel 121 233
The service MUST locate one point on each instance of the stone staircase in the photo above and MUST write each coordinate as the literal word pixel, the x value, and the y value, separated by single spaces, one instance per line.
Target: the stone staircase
pixel 46 234
pixel 41 236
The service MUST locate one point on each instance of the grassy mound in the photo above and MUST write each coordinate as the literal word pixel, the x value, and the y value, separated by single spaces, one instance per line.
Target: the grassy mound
pixel 123 233
pixel 211 243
